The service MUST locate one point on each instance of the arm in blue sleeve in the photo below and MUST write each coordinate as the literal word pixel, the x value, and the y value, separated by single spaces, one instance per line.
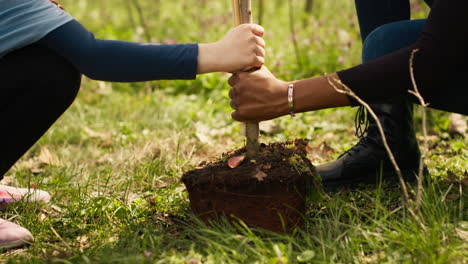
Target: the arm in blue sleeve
pixel 119 61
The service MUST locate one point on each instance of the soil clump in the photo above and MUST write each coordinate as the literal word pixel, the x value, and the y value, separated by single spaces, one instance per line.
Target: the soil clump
pixel 267 191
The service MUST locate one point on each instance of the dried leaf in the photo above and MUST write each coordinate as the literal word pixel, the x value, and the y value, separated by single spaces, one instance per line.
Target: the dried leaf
pixel 83 239
pixel 164 184
pixel 462 234
pixel 236 161
pixel 260 175
pixel 83 242
pixel 46 157
pixel 42 217
pixel 267 166
pixel 99 135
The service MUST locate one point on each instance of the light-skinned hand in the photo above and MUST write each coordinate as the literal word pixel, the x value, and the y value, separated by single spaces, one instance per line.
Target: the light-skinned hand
pixel 242 48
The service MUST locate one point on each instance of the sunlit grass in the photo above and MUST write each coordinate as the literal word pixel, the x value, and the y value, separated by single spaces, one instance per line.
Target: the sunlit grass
pixel 117 155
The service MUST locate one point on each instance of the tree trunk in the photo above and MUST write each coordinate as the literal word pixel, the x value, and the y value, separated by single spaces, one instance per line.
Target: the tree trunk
pixel 308 6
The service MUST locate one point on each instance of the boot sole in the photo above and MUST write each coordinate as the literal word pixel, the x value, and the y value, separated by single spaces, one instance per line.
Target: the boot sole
pixel 386 176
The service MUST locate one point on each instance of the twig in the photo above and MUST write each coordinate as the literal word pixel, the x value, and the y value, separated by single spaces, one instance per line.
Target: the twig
pixel 424 129
pixel 346 90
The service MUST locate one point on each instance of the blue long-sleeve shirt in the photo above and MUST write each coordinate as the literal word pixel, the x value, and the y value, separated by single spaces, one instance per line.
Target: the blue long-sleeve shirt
pixel 26 22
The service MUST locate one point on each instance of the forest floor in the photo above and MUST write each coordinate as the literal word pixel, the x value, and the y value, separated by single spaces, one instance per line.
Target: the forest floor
pixel 113 162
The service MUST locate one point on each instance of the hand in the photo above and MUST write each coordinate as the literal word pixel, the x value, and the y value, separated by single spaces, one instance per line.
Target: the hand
pixel 242 48
pixel 258 96
pixel 57 4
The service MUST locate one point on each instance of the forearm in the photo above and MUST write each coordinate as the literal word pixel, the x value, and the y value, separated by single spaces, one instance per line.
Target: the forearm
pixel 206 58
pixel 120 61
pixel 317 93
pixel 259 95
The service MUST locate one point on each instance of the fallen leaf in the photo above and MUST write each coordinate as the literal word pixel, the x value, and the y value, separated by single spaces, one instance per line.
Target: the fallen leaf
pixel 164 184
pixel 179 189
pixel 260 175
pixel 83 242
pixel 94 134
pixel 267 166
pixel 236 161
pixel 42 217
pixel 46 157
pixel 462 234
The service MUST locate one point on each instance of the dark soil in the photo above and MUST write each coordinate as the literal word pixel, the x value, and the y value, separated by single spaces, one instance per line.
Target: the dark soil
pixel 267 191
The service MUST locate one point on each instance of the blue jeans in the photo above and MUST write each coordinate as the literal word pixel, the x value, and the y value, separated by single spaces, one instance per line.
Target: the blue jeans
pixel 386 27
pixel 375 13
pixel 391 37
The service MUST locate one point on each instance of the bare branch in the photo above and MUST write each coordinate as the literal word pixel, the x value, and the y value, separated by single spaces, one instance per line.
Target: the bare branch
pixel 424 129
pixel 346 90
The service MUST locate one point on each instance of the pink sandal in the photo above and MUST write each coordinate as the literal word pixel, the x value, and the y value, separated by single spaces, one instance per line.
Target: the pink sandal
pixel 13 235
pixel 9 194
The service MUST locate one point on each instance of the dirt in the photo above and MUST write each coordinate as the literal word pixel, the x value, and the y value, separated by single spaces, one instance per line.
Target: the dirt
pixel 267 191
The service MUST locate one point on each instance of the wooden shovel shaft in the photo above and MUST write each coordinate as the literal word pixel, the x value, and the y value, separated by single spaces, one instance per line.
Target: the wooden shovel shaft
pixel 243 15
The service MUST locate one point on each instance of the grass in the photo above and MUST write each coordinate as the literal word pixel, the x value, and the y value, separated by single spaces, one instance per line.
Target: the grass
pixel 114 160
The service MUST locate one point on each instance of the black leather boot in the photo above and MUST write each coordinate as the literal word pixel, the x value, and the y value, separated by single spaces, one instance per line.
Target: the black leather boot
pixel 368 159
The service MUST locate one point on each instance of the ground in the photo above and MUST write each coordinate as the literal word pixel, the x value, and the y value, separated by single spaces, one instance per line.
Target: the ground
pixel 113 162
